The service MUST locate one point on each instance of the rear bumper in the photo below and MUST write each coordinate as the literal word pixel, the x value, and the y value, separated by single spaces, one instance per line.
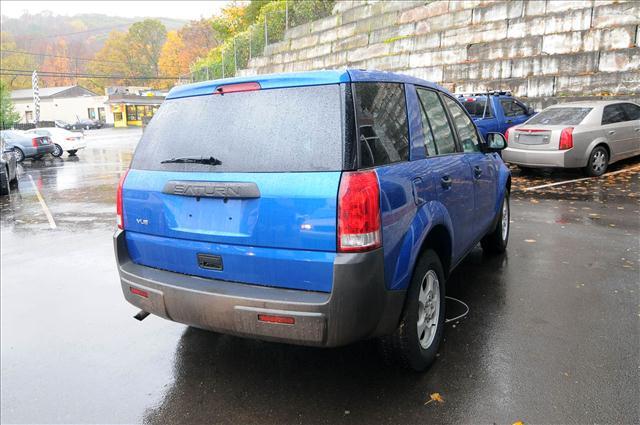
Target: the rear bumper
pixel 542 158
pixel 358 307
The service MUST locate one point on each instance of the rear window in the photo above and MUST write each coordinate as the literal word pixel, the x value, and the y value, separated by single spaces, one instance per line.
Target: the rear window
pixel 476 108
pixel 275 130
pixel 560 116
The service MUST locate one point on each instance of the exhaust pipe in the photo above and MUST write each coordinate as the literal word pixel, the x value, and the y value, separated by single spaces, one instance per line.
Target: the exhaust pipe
pixel 141 315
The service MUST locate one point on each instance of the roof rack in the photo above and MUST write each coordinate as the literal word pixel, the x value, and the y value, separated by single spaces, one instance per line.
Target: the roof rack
pixel 488 92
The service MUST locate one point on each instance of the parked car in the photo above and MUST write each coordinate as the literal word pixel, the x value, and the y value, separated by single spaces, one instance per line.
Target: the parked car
pixel 588 135
pixel 318 208
pixel 62 124
pixel 63 140
pixel 26 145
pixel 86 124
pixel 8 169
pixel 498 114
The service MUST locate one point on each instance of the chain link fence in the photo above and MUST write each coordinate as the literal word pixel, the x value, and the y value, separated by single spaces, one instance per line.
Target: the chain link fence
pixel 270 26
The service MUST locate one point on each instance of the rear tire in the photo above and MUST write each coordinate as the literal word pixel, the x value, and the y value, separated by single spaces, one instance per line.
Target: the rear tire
pixel 415 342
pixel 598 162
pixel 496 241
pixel 18 154
pixel 5 188
pixel 57 152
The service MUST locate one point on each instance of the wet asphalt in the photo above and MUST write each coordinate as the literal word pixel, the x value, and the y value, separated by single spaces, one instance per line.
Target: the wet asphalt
pixel 552 335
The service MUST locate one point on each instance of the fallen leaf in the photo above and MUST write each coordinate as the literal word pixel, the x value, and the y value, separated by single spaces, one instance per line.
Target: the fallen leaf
pixel 435 397
pixel 530 240
pixel 518 423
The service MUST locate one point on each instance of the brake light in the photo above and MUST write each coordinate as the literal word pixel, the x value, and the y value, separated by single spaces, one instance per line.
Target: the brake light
pixel 236 88
pixel 566 138
pixel 34 142
pixel 506 133
pixel 359 212
pixel 119 206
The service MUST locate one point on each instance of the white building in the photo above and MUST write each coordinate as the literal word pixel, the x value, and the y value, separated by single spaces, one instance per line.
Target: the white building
pixel 67 103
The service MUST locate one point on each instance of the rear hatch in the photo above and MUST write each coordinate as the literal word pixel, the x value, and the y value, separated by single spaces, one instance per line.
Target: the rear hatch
pixel 240 187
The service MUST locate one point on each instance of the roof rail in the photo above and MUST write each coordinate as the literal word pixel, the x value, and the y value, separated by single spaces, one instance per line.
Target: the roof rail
pixel 488 92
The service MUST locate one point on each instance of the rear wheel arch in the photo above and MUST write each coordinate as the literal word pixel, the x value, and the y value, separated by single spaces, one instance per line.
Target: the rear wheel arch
pixel 439 240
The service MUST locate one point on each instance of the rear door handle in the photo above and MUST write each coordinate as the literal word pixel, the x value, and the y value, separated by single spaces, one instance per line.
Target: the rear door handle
pixel 612 132
pixel 477 171
pixel 445 182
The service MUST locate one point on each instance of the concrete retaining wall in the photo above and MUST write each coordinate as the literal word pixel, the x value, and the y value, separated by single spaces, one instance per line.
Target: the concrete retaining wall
pixel 541 50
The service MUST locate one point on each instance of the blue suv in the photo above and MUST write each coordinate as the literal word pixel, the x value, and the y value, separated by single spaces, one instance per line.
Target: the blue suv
pixel 316 208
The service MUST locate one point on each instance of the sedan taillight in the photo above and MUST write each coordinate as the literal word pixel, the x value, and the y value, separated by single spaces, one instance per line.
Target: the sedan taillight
pixel 566 139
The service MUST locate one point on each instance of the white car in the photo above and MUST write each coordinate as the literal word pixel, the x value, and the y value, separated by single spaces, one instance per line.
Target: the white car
pixel 64 140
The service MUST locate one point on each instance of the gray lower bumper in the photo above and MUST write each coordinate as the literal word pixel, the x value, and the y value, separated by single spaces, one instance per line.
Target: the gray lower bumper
pixel 359 306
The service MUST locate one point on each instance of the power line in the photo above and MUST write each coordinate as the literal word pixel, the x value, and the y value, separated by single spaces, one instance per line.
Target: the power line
pixel 76 58
pixel 76 33
pixel 26 72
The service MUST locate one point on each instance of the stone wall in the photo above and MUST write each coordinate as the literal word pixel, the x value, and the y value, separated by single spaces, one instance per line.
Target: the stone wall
pixel 546 51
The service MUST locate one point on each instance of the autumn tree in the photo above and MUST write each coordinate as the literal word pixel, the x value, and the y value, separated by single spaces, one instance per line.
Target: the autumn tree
pixel 14 61
pixel 185 46
pixel 115 59
pixel 58 61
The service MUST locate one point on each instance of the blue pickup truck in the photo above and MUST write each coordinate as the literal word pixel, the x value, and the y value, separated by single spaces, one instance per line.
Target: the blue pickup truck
pixel 501 112
pixel 316 208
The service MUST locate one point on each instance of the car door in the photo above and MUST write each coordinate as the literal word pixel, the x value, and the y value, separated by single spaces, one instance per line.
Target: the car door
pixel 482 168
pixel 448 170
pixel 618 130
pixel 631 130
pixel 514 112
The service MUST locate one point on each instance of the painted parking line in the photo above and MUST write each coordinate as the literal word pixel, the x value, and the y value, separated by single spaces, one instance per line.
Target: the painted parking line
pixel 45 208
pixel 542 186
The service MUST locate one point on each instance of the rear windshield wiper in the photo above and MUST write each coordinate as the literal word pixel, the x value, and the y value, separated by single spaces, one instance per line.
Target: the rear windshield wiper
pixel 191 160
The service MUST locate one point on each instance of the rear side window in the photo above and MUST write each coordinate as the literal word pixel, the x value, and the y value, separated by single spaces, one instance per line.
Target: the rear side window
pixel 632 111
pixel 437 122
pixel 275 130
pixel 478 108
pixel 613 114
pixel 381 116
pixel 560 116
pixel 512 108
pixel 467 134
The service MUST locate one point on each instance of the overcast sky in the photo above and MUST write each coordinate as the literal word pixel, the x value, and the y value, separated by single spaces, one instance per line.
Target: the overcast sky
pixel 130 9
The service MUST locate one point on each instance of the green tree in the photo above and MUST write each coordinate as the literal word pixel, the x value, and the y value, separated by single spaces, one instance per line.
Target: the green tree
pixel 8 115
pixel 145 40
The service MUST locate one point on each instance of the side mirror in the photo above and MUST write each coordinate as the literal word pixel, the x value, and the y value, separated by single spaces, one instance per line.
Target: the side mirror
pixel 496 142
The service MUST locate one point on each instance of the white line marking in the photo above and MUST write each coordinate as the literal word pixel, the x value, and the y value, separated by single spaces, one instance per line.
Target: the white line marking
pixel 52 222
pixel 577 180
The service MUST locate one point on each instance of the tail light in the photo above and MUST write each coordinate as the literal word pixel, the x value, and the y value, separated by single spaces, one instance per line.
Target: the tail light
pixel 506 134
pixel 359 212
pixel 34 142
pixel 566 138
pixel 119 206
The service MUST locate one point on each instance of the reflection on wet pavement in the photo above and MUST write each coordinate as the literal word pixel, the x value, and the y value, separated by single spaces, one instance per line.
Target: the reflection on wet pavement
pixel 552 334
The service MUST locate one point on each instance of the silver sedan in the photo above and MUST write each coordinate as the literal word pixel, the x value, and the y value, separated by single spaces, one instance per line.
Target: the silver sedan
pixel 588 135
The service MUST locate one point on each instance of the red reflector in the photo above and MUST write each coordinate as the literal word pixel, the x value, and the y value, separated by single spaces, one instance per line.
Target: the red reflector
pixel 235 88
pixel 285 320
pixel 140 292
pixel 566 138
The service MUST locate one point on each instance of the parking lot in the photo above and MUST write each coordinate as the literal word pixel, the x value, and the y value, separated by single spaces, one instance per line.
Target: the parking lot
pixel 552 335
